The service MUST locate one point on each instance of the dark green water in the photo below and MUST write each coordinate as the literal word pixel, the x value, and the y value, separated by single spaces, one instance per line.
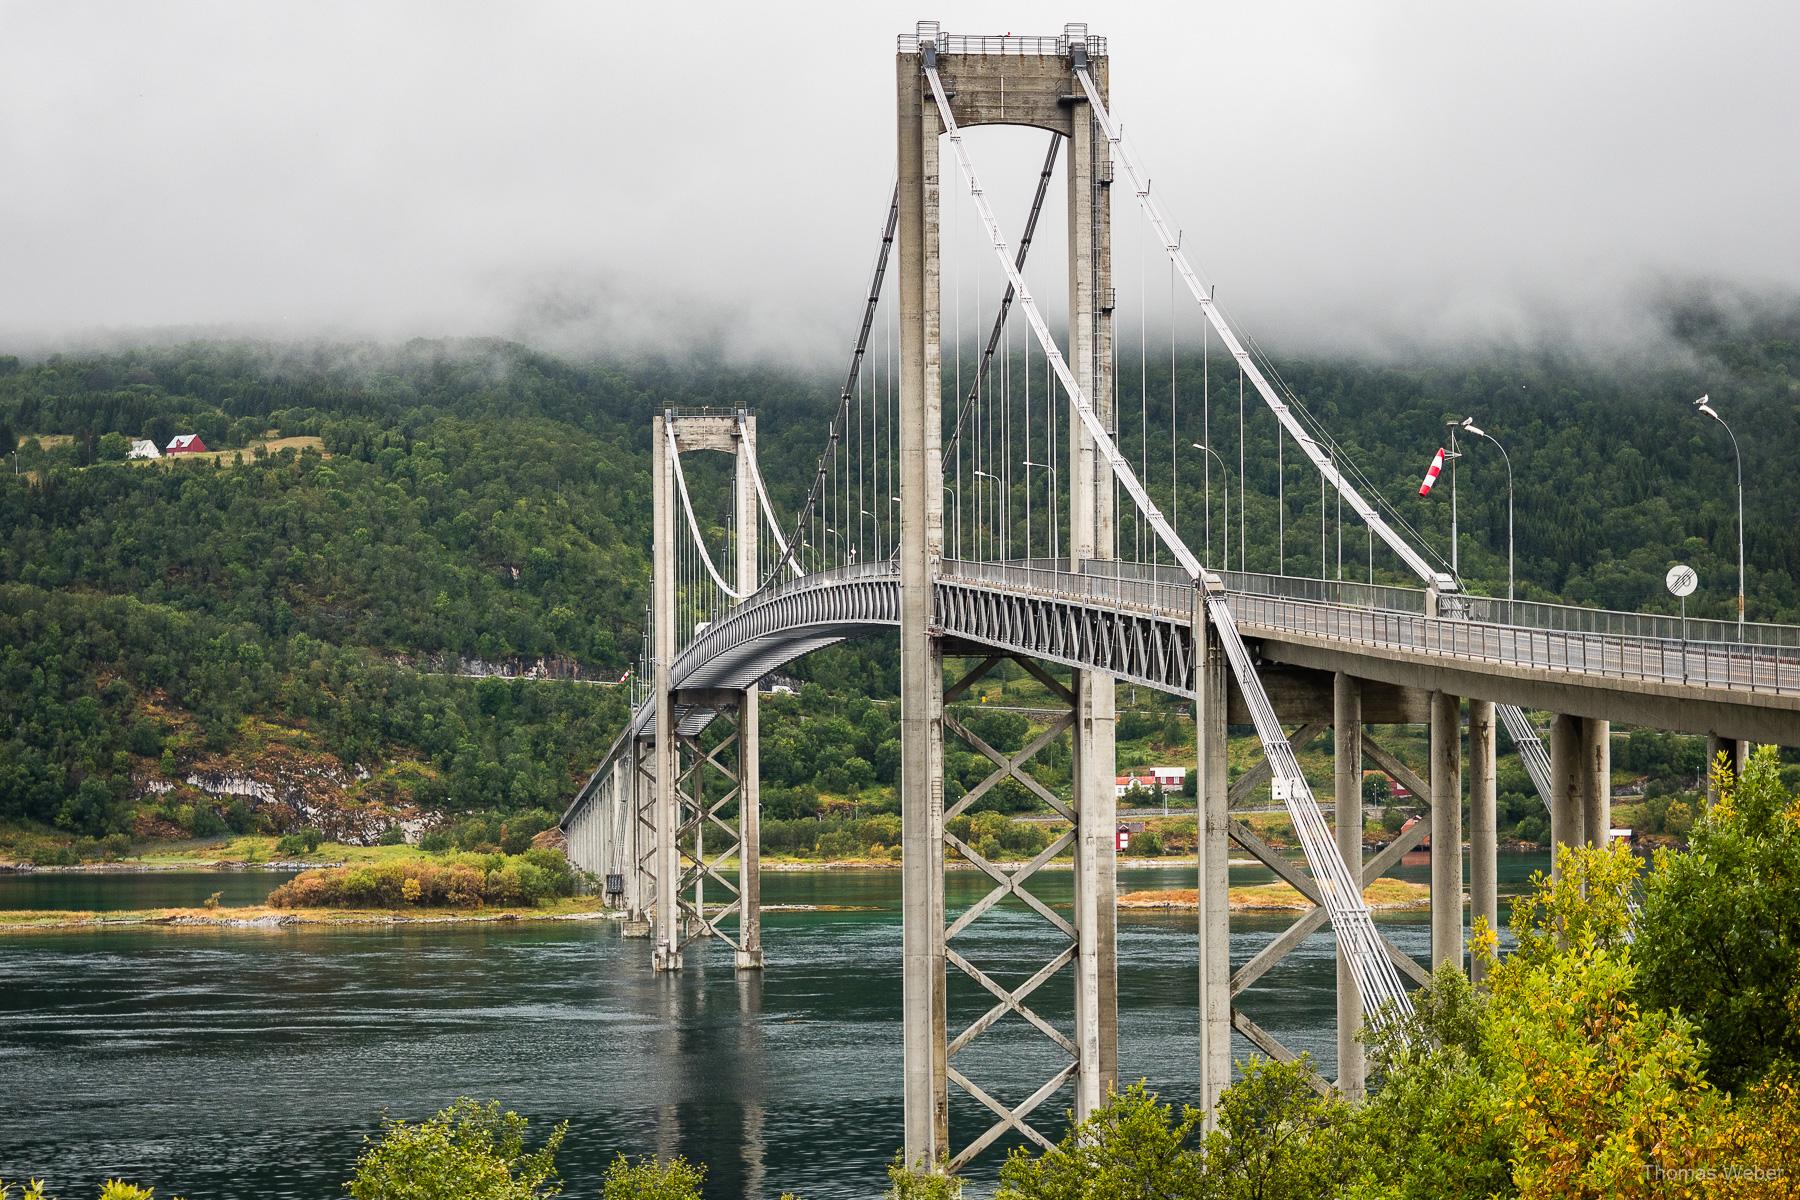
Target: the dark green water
pixel 251 1063
pixel 112 892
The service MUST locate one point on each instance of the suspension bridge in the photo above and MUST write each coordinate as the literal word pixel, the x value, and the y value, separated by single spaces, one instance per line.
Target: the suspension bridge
pixel 1013 509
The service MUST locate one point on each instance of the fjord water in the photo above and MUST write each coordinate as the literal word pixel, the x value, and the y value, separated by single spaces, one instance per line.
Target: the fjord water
pixel 239 1063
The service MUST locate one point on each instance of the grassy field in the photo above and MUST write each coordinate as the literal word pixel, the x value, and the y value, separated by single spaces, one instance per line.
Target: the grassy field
pixel 252 850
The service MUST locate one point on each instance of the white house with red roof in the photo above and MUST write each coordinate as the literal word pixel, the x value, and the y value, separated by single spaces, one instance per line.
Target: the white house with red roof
pixel 1148 779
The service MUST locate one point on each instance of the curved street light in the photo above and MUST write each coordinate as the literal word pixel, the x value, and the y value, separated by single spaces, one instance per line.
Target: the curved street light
pixel 1704 404
pixel 1468 426
pixel 1055 523
pixel 1225 490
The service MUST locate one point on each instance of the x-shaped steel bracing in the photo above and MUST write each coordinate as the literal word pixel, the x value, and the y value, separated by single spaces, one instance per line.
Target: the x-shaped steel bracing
pixel 697 813
pixel 1010 883
pixel 1301 880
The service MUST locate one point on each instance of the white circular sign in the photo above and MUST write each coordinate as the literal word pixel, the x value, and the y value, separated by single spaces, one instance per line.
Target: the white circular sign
pixel 1682 580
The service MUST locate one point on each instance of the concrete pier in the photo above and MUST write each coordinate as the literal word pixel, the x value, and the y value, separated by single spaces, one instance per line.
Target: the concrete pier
pixel 1347 769
pixel 1596 781
pixel 1484 844
pixel 666 953
pixel 1091 537
pixel 925 1067
pixel 749 730
pixel 1446 830
pixel 1213 790
pixel 1566 810
pixel 1736 752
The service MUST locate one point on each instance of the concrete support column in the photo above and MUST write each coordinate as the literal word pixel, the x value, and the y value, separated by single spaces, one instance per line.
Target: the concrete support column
pixel 1091 537
pixel 1566 810
pixel 1347 769
pixel 615 854
pixel 666 955
pixel 1484 840
pixel 1736 752
pixel 1446 830
pixel 749 733
pixel 750 957
pixel 1596 780
pixel 640 883
pixel 925 1086
pixel 1212 789
pixel 626 828
pixel 1096 893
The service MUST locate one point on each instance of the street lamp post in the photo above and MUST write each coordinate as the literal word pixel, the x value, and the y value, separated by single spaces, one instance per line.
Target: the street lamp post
pixel 1225 492
pixel 992 513
pixel 1704 404
pixel 1450 456
pixel 1055 524
pixel 1468 425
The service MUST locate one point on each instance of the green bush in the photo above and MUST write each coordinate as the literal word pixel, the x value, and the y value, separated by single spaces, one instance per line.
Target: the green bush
pixel 462 881
pixel 653 1179
pixel 469 1151
pixel 206 822
pixel 301 841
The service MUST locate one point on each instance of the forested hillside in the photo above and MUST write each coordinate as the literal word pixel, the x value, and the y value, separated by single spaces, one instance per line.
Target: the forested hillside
pixel 159 620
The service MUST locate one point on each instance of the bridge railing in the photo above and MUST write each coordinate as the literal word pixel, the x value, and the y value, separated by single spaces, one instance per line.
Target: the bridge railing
pixel 1488 610
pixel 1536 614
pixel 1345 592
pixel 1734 666
pixel 1045 578
pixel 1626 653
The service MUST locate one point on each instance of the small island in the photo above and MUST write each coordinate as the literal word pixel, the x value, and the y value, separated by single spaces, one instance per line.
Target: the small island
pixel 1381 895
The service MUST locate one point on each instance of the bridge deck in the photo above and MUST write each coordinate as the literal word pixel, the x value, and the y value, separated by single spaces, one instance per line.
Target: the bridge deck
pixel 1137 623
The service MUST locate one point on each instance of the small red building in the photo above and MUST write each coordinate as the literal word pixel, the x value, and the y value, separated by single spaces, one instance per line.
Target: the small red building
pixel 185 443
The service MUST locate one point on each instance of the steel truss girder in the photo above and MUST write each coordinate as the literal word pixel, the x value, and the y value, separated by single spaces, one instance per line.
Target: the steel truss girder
pixel 1010 1000
pixel 1295 875
pixel 1153 650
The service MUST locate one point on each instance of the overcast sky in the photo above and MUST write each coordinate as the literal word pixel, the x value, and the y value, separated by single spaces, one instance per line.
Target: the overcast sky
pixel 603 175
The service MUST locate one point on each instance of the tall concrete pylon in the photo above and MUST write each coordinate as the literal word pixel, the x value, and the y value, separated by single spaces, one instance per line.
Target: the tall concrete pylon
pixel 679 804
pixel 749 730
pixel 1036 89
pixel 665 932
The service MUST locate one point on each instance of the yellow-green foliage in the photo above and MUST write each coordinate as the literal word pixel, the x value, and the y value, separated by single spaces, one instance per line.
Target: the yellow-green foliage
pixel 653 1179
pixel 918 1182
pixel 113 1189
pixel 459 881
pixel 469 1151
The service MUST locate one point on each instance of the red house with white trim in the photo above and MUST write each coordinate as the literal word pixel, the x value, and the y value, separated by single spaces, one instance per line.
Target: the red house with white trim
pixel 185 443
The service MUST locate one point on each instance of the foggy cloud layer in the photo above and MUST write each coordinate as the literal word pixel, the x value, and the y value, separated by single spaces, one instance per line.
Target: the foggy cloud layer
pixel 599 176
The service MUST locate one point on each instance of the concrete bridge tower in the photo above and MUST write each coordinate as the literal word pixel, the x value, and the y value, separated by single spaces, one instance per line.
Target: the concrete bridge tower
pixel 991 82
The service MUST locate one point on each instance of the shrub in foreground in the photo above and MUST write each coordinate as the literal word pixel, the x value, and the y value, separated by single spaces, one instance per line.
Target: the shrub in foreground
pixel 470 1151
pixel 113 1189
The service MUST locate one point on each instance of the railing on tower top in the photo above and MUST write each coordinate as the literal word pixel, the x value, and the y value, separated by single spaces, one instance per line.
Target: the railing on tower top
pixel 1014 44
